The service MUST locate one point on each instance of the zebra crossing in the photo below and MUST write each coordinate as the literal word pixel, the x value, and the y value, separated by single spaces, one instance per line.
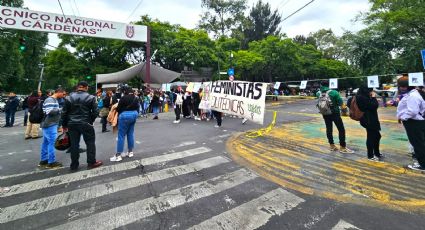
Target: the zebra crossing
pixel 195 188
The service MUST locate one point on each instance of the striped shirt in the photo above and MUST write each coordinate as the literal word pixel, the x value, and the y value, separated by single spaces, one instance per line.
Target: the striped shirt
pixel 52 112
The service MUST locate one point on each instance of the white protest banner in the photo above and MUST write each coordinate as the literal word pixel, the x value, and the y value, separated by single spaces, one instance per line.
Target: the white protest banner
pixel 190 86
pixel 303 85
pixel 168 88
pixel 416 79
pixel 23 19
pixel 240 98
pixel 197 86
pixel 164 87
pixel 333 83
pixel 373 81
pixel 277 85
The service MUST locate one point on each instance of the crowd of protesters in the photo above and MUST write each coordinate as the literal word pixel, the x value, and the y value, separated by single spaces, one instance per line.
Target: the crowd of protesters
pixel 76 113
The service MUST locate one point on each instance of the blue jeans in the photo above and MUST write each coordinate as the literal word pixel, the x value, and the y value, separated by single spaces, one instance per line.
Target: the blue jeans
pixel 155 110
pixel 10 117
pixel 48 145
pixel 126 122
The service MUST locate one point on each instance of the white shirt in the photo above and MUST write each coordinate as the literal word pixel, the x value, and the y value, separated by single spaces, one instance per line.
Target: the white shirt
pixel 411 106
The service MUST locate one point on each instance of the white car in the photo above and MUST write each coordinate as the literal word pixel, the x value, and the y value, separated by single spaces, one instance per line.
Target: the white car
pixel 2 105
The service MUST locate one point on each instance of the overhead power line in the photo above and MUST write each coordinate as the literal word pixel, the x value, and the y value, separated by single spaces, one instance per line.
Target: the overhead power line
pixel 134 10
pixel 72 7
pixel 61 8
pixel 76 7
pixel 298 10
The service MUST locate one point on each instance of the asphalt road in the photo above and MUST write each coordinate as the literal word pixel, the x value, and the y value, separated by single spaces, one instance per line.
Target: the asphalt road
pixel 190 181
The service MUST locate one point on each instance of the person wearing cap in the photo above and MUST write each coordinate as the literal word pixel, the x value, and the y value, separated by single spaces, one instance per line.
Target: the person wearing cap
pixel 411 112
pixel 335 117
pixel 128 108
pixel 79 113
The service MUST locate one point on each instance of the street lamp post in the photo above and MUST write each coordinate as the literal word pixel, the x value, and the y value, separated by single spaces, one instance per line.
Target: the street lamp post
pixel 41 76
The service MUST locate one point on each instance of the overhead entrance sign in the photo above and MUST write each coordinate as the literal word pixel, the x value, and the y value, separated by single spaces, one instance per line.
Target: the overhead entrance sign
pixel 23 19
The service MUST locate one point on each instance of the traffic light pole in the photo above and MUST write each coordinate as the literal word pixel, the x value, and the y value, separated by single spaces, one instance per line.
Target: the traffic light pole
pixel 41 76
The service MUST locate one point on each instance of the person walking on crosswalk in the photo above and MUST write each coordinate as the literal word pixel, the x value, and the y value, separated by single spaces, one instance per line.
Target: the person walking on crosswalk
pixel 79 113
pixel 128 107
pixel 50 130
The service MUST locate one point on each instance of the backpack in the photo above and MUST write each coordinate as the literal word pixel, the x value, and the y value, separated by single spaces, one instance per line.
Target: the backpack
pixel 355 113
pixel 325 104
pixel 37 113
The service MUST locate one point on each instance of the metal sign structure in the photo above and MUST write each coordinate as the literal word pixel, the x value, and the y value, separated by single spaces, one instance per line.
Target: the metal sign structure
pixel 23 19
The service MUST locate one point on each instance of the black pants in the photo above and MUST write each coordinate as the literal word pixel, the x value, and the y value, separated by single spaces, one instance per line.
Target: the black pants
pixel 75 132
pixel 372 143
pixel 178 111
pixel 104 122
pixel 416 133
pixel 329 120
pixel 217 116
pixel 196 110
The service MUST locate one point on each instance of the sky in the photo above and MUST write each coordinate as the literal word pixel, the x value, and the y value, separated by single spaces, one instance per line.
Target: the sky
pixel 337 15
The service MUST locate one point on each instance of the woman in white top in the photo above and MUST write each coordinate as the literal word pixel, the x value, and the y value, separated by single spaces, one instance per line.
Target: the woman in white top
pixel 411 111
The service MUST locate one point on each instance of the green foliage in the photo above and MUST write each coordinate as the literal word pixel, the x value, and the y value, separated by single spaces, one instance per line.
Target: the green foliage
pixel 62 68
pixel 222 16
pixel 261 22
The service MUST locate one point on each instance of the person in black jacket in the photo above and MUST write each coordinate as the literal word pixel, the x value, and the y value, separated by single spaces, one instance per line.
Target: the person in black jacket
pixel 367 103
pixel 128 108
pixel 79 113
pixel 155 105
pixel 10 108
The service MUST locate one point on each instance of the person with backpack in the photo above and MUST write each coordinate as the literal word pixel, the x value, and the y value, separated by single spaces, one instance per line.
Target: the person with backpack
pixel 328 105
pixel 79 113
pixel 411 112
pixel 364 108
pixel 31 132
pixel 52 115
pixel 107 103
pixel 128 107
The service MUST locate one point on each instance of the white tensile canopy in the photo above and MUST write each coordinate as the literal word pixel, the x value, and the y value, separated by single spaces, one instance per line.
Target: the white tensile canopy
pixel 159 75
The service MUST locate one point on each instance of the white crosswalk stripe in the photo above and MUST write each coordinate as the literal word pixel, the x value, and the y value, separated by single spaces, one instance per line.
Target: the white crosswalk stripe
pixel 252 212
pixel 52 202
pixel 260 210
pixel 127 214
pixel 82 175
pixel 342 225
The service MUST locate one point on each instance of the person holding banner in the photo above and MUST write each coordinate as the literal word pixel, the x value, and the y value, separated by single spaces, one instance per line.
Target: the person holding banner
pixel 218 118
pixel 178 103
pixel 196 102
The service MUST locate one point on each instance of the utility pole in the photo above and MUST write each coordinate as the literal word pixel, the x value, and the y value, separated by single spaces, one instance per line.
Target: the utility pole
pixel 41 76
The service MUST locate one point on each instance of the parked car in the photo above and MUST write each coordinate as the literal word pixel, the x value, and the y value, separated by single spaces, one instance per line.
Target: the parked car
pixel 2 104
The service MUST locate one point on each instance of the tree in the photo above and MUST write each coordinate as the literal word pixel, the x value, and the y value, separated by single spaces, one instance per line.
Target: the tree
pixel 262 22
pixel 248 65
pixel 222 16
pixel 328 43
pixel 62 68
